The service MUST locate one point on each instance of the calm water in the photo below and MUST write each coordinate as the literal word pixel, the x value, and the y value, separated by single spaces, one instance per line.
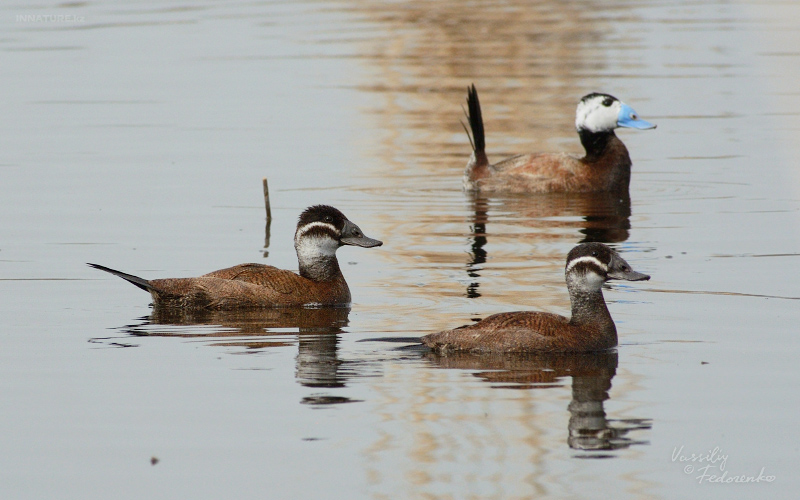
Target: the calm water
pixel 137 137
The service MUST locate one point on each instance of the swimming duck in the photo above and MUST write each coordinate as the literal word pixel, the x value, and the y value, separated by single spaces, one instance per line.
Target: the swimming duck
pixel 321 230
pixel 591 328
pixel 605 167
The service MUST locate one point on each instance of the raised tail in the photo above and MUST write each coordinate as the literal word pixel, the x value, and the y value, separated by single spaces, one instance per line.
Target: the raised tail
pixel 478 164
pixel 475 120
pixel 140 282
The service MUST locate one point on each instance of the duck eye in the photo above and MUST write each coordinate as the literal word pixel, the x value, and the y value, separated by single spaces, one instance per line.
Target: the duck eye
pixel 594 253
pixel 328 218
pixel 607 102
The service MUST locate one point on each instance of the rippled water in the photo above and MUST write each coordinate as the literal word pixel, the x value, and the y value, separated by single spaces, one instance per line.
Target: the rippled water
pixel 137 137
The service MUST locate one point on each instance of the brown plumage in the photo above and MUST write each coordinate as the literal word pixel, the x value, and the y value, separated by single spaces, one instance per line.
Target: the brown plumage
pixel 525 331
pixel 247 286
pixel 590 328
pixel 320 231
pixel 606 166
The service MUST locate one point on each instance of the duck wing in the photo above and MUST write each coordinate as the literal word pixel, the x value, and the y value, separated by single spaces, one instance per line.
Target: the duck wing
pixel 279 280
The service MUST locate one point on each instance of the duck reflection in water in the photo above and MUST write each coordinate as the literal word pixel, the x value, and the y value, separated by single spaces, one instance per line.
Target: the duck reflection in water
pixel 589 429
pixel 598 217
pixel 318 329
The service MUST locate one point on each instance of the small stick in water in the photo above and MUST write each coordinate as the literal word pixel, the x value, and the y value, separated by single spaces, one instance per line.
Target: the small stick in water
pixel 269 218
pixel 266 200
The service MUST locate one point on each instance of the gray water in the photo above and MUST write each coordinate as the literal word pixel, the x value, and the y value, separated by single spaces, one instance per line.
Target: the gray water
pixel 137 136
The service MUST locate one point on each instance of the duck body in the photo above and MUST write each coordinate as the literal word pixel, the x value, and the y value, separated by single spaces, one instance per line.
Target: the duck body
pixel 590 328
pixel 321 230
pixel 520 332
pixel 248 286
pixel 606 166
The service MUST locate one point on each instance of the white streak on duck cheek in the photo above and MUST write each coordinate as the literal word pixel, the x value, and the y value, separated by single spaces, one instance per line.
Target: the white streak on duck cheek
pixel 308 227
pixel 586 258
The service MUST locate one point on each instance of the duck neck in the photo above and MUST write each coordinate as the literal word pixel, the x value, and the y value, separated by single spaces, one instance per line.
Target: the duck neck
pixel 606 153
pixel 316 258
pixel 595 143
pixel 589 308
pixel 319 268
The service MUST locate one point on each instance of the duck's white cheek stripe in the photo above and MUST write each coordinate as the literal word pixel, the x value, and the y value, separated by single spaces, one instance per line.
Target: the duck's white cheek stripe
pixel 587 258
pixel 308 227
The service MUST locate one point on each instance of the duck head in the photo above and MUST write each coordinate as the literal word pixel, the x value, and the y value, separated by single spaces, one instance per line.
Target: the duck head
pixel 323 229
pixel 589 265
pixel 603 113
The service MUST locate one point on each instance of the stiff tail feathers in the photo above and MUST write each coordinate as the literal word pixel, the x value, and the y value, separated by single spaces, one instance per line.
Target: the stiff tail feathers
pixel 473 112
pixel 140 282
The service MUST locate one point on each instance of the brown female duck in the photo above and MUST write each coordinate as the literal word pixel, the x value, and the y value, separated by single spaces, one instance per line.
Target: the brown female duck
pixel 605 167
pixel 591 328
pixel 321 230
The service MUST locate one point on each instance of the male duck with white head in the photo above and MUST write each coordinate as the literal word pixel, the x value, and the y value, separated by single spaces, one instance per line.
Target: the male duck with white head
pixel 606 166
pixel 321 230
pixel 590 328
